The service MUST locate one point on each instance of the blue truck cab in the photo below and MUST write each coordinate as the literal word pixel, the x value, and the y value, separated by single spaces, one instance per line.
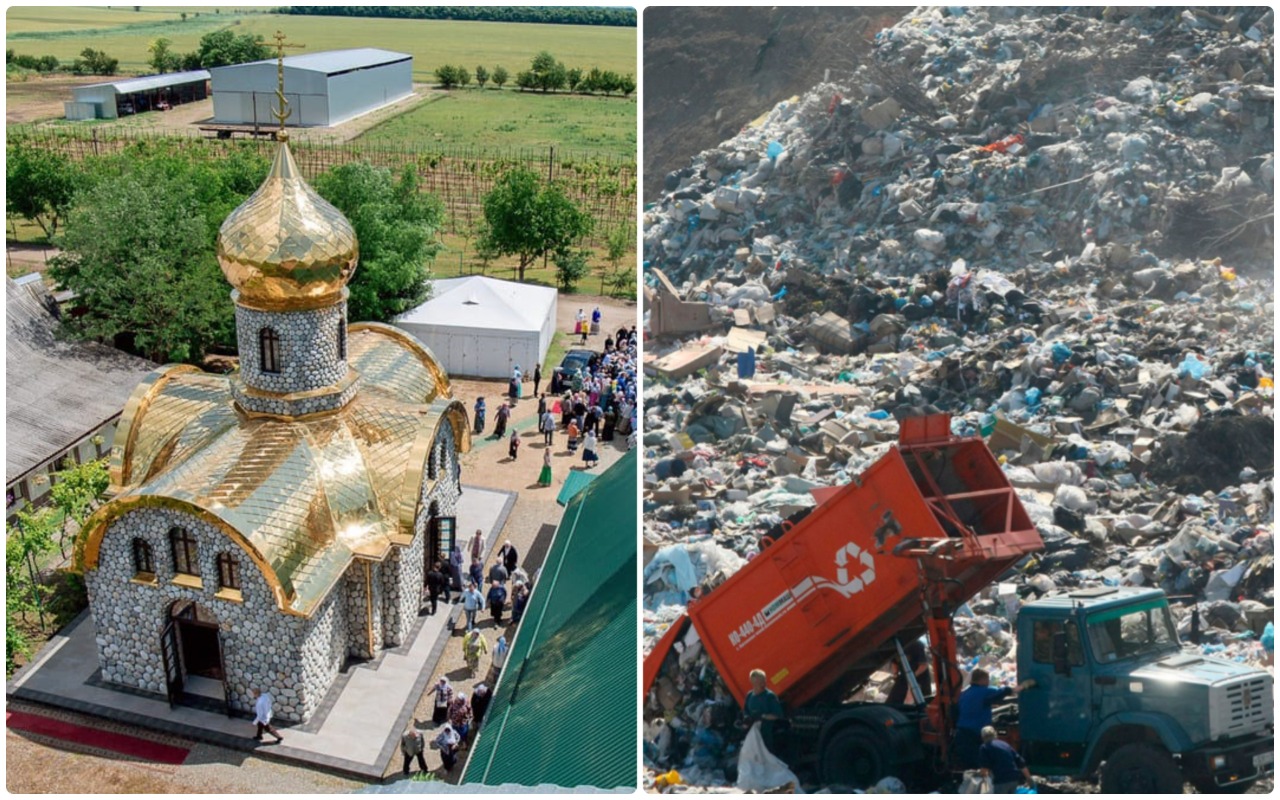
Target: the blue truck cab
pixel 1115 690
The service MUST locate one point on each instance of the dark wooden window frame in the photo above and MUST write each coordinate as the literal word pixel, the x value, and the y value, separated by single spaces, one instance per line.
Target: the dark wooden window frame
pixel 269 350
pixel 144 561
pixel 228 571
pixel 186 555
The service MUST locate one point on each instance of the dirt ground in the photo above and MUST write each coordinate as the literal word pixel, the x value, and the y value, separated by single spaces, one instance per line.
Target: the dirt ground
pixel 709 71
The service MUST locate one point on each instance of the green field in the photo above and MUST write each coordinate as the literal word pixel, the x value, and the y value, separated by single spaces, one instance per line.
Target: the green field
pixel 605 126
pixel 125 34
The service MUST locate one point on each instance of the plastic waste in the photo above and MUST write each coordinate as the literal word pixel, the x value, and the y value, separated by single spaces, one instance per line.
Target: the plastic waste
pixel 758 769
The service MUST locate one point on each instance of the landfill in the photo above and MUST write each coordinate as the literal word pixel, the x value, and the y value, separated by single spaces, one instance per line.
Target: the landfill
pixel 1053 224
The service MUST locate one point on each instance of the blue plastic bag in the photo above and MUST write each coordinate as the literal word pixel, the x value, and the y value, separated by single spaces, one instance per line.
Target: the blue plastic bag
pixel 1194 367
pixel 1268 638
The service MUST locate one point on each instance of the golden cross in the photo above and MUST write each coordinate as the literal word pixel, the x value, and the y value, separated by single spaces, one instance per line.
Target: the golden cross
pixel 281 112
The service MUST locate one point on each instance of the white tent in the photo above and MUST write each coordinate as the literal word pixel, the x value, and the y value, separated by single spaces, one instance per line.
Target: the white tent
pixel 482 327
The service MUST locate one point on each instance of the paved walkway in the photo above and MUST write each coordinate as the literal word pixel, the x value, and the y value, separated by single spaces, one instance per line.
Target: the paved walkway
pixel 358 726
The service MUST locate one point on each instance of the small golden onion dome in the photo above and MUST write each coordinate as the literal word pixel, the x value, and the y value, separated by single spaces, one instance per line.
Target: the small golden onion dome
pixel 286 248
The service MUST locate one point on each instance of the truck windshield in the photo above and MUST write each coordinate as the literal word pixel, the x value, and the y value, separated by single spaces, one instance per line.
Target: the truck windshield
pixel 1120 633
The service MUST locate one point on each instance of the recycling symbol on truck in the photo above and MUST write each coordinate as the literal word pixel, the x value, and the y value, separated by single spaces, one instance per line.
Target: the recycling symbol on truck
pixel 848 558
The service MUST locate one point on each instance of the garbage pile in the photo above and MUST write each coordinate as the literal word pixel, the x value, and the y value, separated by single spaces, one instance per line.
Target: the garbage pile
pixel 1055 226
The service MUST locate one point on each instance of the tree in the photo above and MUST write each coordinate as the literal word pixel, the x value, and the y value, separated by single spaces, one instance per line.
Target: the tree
pixel 574 77
pixel 75 492
pixel 41 185
pixel 627 84
pixel 224 47
pixel 591 81
pixel 139 252
pixel 571 267
pixel 447 76
pixel 527 219
pixel 500 76
pixel 548 74
pixel 162 58
pixel 526 80
pixel 617 244
pixel 482 76
pixel 464 76
pixel 28 538
pixel 396 226
pixel 97 62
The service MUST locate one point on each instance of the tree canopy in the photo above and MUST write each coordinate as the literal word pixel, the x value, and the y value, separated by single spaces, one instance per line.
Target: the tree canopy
pixel 526 218
pixel 39 185
pixel 396 226
pixel 224 47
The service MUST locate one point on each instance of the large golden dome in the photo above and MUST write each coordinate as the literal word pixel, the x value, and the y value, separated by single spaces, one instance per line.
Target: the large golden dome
pixel 286 248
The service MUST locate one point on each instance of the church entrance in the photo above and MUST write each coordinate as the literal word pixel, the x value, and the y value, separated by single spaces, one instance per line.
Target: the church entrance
pixel 191 648
pixel 441 536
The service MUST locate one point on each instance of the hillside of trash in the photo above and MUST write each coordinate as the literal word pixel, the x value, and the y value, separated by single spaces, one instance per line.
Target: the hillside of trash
pixel 1055 225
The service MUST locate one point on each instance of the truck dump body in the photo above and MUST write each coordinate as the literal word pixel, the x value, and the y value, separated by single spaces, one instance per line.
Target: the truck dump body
pixel 819 609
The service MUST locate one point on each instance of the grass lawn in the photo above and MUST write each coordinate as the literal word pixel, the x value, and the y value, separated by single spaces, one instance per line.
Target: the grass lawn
pixel 125 34
pixel 604 126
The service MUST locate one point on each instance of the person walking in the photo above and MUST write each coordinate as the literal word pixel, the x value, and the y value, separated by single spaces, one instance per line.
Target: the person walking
pixel 510 556
pixel 1004 765
pixel 589 457
pixel 504 413
pixel 500 650
pixel 472 602
pixel 537 377
pixel 544 476
pixel 455 567
pixel 497 601
pixel 443 691
pixel 479 411
pixel 542 405
pixel 460 715
pixel 262 702
pixel 548 428
pixel 437 585
pixel 411 744
pixel 480 697
pixel 519 601
pixel 595 321
pixel 513 444
pixel 447 742
pixel 572 433
pixel 477 572
pixel 476 544
pixel 498 572
pixel 474 645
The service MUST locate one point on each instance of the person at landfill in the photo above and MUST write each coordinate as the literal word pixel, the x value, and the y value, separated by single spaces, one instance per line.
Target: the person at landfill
pixel 500 650
pixel 974 714
pixel 513 444
pixel 476 573
pixel 572 433
pixel 504 413
pixel 544 475
pixel 460 714
pixel 447 742
pixel 474 645
pixel 498 572
pixel 589 457
pixel 262 702
pixel 478 412
pixel 763 706
pixel 455 567
pixel 509 556
pixel 537 378
pixel 437 584
pixel 497 601
pixel 472 602
pixel 999 761
pixel 918 658
pixel 480 697
pixel 411 745
pixel 519 600
pixel 443 691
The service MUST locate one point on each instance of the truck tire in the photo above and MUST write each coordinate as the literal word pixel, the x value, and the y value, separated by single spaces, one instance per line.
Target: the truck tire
pixel 1141 768
pixel 855 757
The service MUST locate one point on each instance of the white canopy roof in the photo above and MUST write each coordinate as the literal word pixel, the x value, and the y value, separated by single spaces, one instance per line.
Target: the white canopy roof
pixel 487 303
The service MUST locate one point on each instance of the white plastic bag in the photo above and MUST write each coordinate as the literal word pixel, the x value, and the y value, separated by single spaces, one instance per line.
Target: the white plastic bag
pixel 975 783
pixel 758 769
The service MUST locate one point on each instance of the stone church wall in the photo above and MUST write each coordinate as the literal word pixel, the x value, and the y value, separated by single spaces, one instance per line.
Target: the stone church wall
pixel 308 348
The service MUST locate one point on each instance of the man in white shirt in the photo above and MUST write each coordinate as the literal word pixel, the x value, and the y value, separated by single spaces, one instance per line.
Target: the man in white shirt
pixel 262 715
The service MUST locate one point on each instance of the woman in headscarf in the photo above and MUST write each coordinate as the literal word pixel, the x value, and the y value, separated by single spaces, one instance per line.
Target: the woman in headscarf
pixel 589 457
pixel 504 413
pixel 447 741
pixel 573 435
pixel 443 691
pixel 500 650
pixel 480 703
pixel 479 415
pixel 460 714
pixel 455 567
pixel 513 444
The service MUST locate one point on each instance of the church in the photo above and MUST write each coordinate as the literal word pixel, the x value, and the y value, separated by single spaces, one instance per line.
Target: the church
pixel 268 526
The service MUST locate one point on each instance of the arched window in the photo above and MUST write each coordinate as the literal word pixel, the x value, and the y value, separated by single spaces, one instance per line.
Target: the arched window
pixel 269 350
pixel 143 561
pixel 228 571
pixel 433 463
pixel 342 338
pixel 182 543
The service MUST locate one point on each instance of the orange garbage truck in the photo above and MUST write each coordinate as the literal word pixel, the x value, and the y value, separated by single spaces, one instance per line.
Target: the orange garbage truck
pixel 890 557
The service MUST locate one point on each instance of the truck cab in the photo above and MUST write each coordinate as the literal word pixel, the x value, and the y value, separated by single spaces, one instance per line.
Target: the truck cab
pixel 1114 689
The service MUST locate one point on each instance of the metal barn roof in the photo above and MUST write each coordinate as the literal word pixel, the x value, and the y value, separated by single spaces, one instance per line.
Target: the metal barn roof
pixel 564 710
pixel 332 62
pixel 148 82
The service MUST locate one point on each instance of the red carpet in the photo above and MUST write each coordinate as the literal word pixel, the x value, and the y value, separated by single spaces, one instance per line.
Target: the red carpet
pixel 124 744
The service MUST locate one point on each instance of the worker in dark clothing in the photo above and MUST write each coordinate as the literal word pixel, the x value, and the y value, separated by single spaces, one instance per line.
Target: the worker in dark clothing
pixel 1002 763
pixel 974 714
pixel 437 584
pixel 763 706
pixel 918 659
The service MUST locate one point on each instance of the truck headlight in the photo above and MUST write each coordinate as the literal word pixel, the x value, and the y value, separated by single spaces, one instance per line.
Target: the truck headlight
pixel 1219 762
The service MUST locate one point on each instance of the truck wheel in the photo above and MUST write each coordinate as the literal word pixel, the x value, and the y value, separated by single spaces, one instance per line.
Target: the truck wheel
pixel 854 757
pixel 1141 768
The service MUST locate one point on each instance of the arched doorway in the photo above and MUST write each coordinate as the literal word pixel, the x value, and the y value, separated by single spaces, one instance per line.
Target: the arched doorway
pixel 441 536
pixel 191 648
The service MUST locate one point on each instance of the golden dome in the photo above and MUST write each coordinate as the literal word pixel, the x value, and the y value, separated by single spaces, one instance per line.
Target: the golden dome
pixel 286 248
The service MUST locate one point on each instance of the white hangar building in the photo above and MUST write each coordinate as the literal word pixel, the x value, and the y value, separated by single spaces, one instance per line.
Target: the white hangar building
pixel 323 89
